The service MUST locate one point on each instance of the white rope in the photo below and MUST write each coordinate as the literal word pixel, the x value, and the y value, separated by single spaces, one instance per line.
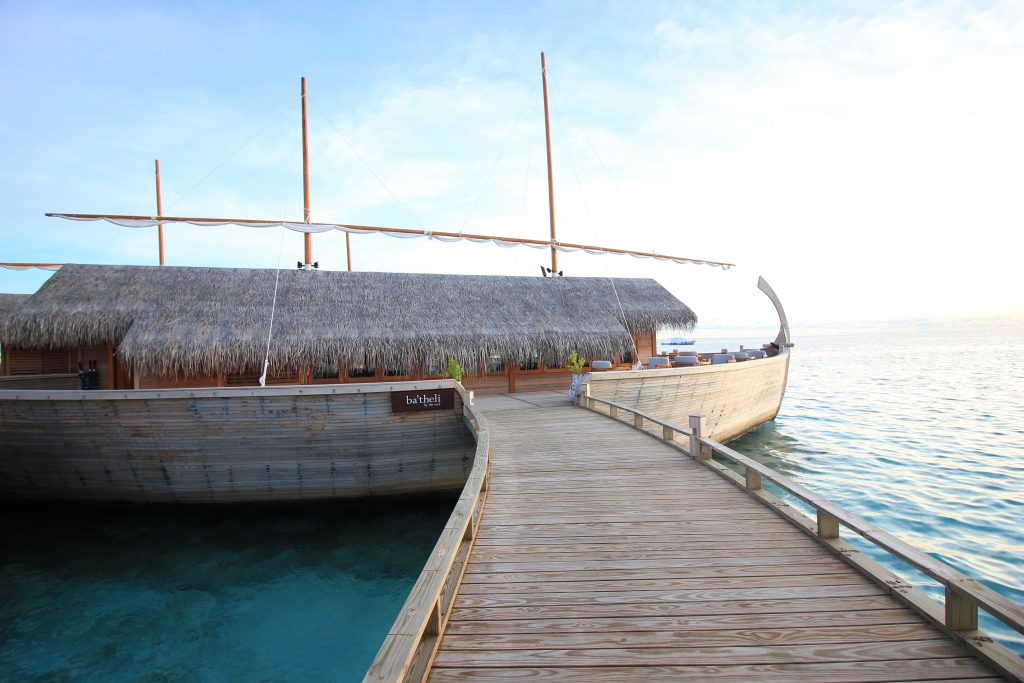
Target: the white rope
pixel 367 165
pixel 490 173
pixel 629 209
pixel 593 229
pixel 273 310
pixel 230 156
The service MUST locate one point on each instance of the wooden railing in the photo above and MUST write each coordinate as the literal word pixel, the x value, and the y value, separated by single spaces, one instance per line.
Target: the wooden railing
pixel 964 596
pixel 412 642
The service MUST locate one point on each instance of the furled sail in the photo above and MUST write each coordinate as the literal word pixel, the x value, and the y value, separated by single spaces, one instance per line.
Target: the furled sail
pixel 506 242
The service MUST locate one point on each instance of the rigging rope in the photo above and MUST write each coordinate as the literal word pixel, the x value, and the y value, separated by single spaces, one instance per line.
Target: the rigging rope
pixel 501 153
pixel 231 156
pixel 629 211
pixel 273 310
pixel 593 227
pixel 529 156
pixel 366 164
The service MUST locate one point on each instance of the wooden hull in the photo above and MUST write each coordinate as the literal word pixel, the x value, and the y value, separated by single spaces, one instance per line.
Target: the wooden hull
pixel 228 445
pixel 735 397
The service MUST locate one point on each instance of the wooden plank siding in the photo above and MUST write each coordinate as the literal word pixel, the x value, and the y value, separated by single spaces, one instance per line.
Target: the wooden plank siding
pixel 228 445
pixel 734 398
pixel 604 554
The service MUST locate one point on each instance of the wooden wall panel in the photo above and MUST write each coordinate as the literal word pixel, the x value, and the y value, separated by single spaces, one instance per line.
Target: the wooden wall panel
pixel 735 398
pixel 53 381
pixel 646 344
pixel 487 385
pixel 179 382
pixel 227 445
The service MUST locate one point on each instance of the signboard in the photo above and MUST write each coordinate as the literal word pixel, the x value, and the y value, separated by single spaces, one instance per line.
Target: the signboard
pixel 422 400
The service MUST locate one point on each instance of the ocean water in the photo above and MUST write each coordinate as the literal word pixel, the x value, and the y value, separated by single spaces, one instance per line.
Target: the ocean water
pixel 921 434
pixel 283 593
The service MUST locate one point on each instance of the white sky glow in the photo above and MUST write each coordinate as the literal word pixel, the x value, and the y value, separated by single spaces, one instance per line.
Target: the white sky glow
pixel 868 160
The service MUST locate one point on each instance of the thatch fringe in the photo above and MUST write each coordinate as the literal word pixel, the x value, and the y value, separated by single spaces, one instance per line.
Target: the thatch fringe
pixel 203 320
pixel 10 304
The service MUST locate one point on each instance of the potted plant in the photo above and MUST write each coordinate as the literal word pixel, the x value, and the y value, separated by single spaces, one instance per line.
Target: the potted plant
pixel 575 364
pixel 454 370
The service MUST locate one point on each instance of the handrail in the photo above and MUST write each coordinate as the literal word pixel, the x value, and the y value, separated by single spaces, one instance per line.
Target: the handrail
pixel 964 596
pixel 412 642
pixel 222 392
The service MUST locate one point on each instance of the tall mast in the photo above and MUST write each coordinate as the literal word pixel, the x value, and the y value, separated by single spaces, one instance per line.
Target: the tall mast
pixel 159 212
pixel 305 175
pixel 551 184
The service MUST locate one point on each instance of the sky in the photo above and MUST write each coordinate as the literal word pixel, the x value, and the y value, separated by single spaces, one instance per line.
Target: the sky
pixel 866 158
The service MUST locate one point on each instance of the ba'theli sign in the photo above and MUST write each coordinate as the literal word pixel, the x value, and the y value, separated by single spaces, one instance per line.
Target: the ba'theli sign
pixel 422 400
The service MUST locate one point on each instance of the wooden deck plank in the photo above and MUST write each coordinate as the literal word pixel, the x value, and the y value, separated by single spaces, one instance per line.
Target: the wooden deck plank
pixel 881 671
pixel 625 624
pixel 607 555
pixel 737 571
pixel 938 646
pixel 631 585
pixel 686 638
pixel 681 609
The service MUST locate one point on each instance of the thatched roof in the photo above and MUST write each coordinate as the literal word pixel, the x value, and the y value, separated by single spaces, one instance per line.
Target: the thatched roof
pixel 200 320
pixel 9 305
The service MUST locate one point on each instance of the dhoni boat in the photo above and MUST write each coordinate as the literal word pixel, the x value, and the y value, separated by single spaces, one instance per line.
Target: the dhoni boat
pixel 154 384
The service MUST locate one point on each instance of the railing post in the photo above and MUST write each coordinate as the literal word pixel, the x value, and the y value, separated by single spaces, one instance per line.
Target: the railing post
pixel 698 425
pixel 961 611
pixel 828 526
pixel 433 627
pixel 471 399
pixel 667 433
pixel 613 411
pixel 754 481
pixel 638 420
pixel 586 402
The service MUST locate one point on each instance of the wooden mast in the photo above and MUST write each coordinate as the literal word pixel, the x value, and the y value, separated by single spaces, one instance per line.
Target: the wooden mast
pixel 551 185
pixel 305 177
pixel 159 212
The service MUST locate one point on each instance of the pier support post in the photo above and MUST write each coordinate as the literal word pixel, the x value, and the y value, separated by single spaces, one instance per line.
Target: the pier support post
pixel 961 611
pixel 828 526
pixel 698 425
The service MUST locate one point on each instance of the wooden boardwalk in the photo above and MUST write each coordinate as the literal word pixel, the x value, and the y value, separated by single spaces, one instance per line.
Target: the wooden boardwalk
pixel 605 554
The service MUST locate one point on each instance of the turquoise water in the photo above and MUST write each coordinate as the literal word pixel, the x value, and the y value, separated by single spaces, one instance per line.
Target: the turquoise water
pixel 181 594
pixel 922 435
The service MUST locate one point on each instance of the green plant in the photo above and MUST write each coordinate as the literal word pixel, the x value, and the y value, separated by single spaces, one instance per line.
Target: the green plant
pixel 454 370
pixel 575 363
